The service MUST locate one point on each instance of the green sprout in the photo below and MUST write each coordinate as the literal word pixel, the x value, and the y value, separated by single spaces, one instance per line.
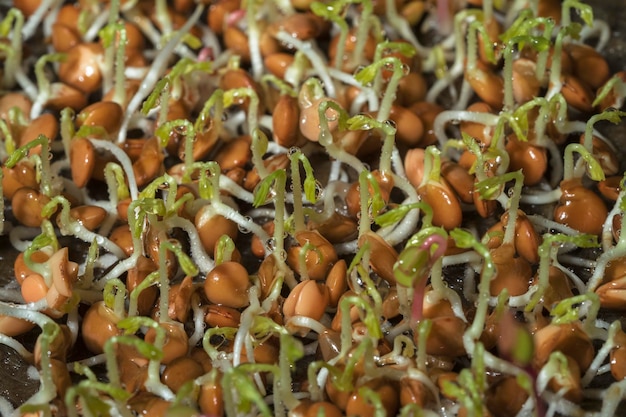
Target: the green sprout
pixel 15 19
pixel 310 185
pixel 547 251
pixel 538 43
pixel 274 185
pixel 594 168
pixel 45 174
pixel 370 73
pixel 334 11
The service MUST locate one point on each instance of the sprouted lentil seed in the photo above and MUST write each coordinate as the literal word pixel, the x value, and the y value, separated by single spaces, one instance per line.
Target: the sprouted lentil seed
pixel 275 197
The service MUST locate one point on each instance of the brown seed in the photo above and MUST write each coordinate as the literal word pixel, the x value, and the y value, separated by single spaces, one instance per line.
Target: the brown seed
pixel 211 227
pixel 278 63
pixel 445 204
pixel 176 341
pixel 218 13
pixel 106 114
pixel 211 397
pixel 16 100
pixel 570 339
pixel 446 334
pixel 577 93
pixel 318 261
pixel 228 284
pixel 81 69
pixel 589 65
pixel 82 161
pixel 512 272
pixel 46 125
pixel 309 298
pixel 122 237
pixel 488 85
pixel 531 159
pixel 135 276
pixel 410 128
pixel 27 204
pixel 99 325
pixel 610 187
pixel 605 154
pixel 353 197
pixel 149 165
pixel 64 37
pixel 505 397
pixel 285 120
pixel 179 301
pixel 476 130
pixel 336 281
pixel 180 371
pixel 525 83
pixel 89 216
pixel 382 256
pixel 63 95
pixel 387 391
pixel 21 271
pixel 307 408
pixel 237 41
pixel 235 153
pixel 580 208
pixel 221 316
pixel 414 166
pixel 336 229
pixel 21 175
pixel 461 181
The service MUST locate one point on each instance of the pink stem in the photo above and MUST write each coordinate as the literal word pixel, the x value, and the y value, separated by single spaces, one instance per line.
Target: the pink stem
pixel 417 309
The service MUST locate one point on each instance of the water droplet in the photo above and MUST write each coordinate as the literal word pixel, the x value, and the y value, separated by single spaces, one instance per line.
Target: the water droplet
pixel 282 255
pixel 270 244
pixel 406 69
pixel 293 150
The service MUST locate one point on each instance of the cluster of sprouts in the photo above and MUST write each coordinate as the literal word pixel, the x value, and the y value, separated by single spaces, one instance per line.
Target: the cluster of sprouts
pixel 307 208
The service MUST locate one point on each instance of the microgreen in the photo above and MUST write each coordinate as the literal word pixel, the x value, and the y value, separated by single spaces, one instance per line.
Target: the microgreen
pixel 114 294
pixel 13 60
pixel 149 280
pixel 274 185
pixel 334 11
pixel 538 43
pixel 368 74
pixel 116 182
pixel 612 115
pixel 283 87
pixel 415 263
pixel 248 394
pixel 615 85
pixel 396 214
pixel 585 12
pixel 594 168
pixel 22 152
pixel 183 127
pixel 371 200
pixel 547 251
pixel 310 185
pixel 567 312
pixel 186 264
pixel 363 122
pixel 46 239
pixel 224 249
pixel 237 96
